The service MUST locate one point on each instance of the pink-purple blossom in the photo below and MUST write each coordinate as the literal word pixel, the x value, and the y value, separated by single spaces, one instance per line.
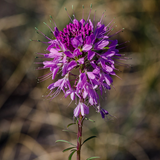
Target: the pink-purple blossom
pixel 85 46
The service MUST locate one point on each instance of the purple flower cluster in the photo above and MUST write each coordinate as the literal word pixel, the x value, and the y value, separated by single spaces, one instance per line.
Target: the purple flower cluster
pixel 84 55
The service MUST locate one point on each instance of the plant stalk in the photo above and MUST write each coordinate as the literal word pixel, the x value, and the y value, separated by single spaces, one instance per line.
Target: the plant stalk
pixel 79 137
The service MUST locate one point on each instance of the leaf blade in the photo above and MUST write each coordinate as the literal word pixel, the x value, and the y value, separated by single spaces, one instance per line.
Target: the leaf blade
pixel 92 158
pixel 70 124
pixel 67 149
pixel 65 142
pixel 66 130
pixel 70 156
pixel 89 119
pixel 88 139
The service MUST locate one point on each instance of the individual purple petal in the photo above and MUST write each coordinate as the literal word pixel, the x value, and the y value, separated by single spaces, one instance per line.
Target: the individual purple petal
pixel 85 93
pixel 103 113
pixel 79 38
pixel 106 67
pixel 71 65
pixel 108 54
pixel 81 60
pixel 108 79
pixel 68 92
pixel 64 69
pixel 113 44
pixel 77 111
pixel 101 44
pixel 84 109
pixel 68 54
pixel 91 54
pixel 86 47
pixel 82 21
pixel 99 30
pixel 55 51
pixel 64 59
pixel 75 43
pixel 90 39
pixel 53 85
pixel 56 32
pixel 54 72
pixel 48 64
pixel 81 82
pixel 75 21
pixel 58 83
pixel 72 96
pixel 90 75
pixel 53 43
pixel 106 86
pixel 91 24
pixel 96 71
pixel 77 52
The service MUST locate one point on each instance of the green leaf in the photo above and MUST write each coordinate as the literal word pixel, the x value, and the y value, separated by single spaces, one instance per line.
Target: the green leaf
pixel 77 121
pixel 79 139
pixel 66 130
pixel 67 149
pixel 89 119
pixel 70 124
pixel 65 142
pixel 89 139
pixel 92 158
pixel 70 156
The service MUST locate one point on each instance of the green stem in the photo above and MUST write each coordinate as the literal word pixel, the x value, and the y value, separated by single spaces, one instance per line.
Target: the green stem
pixel 79 136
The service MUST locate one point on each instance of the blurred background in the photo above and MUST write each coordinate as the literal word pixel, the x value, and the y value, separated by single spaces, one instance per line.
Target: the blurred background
pixel 30 125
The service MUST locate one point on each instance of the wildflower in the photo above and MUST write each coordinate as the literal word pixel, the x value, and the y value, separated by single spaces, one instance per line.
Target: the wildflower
pixel 81 108
pixel 86 46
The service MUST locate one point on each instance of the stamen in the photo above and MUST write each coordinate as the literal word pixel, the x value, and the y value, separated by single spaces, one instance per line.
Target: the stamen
pixel 53 21
pixel 83 12
pixel 102 16
pixel 42 34
pixel 40 68
pixel 39 41
pixel 116 33
pixel 121 48
pixel 122 64
pixel 45 77
pixel 110 22
pixel 123 43
pixel 73 12
pixel 110 29
pixel 89 12
pixel 68 14
pixel 48 26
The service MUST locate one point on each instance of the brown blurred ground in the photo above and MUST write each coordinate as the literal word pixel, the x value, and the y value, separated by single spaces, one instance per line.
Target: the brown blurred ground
pixel 29 126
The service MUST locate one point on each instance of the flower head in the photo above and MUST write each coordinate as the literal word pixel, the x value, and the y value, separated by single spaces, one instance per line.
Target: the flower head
pixel 86 46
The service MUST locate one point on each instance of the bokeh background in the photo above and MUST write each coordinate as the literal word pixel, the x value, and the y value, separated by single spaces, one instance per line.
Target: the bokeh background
pixel 30 125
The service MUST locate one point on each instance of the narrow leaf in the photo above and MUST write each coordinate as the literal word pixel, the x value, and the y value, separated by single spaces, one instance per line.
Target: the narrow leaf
pixel 79 139
pixel 92 158
pixel 66 130
pixel 89 139
pixel 89 119
pixel 68 149
pixel 70 156
pixel 70 124
pixel 65 142
pixel 77 121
